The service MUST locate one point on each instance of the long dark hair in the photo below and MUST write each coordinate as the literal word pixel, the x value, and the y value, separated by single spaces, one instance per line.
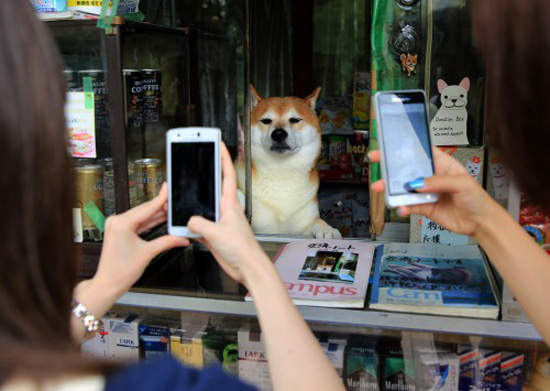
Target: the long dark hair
pixel 514 39
pixel 38 261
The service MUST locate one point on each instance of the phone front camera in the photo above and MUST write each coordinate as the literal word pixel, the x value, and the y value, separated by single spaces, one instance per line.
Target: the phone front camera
pixel 198 134
pixel 179 134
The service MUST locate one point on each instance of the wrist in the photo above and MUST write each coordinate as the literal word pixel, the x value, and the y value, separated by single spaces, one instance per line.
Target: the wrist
pixel 97 296
pixel 493 216
pixel 258 270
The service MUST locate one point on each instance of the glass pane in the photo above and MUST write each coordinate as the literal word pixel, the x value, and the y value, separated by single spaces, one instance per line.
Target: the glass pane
pixel 82 46
pixel 155 91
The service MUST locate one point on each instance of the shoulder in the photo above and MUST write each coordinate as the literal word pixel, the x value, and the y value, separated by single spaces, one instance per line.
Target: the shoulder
pixel 167 374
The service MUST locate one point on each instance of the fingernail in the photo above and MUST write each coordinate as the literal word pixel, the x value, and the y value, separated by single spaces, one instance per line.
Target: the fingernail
pixel 415 185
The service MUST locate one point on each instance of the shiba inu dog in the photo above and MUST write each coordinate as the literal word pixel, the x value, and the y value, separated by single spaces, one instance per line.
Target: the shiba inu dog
pixel 285 144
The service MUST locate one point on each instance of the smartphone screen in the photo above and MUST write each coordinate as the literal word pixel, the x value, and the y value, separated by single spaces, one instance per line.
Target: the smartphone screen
pixel 407 146
pixel 193 181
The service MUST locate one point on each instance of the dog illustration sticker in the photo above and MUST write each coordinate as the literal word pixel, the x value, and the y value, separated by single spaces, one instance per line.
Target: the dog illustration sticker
pixel 449 124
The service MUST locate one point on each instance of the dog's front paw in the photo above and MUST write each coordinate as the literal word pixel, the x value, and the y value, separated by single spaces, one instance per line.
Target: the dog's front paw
pixel 321 230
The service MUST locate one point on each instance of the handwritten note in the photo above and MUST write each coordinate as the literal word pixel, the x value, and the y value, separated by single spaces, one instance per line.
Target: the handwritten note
pixel 80 118
pixel 435 233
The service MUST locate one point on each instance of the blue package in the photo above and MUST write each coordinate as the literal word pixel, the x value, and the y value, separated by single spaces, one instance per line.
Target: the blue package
pixel 489 370
pixel 154 341
pixel 511 371
pixel 49 5
pixel 468 376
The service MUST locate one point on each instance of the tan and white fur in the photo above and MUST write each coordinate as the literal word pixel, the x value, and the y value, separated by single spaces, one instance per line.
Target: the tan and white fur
pixel 285 145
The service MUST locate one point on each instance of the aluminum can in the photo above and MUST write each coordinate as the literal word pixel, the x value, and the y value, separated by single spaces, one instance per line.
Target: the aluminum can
pixel 89 188
pixel 152 100
pixel 99 88
pixel 133 86
pixel 109 187
pixel 149 177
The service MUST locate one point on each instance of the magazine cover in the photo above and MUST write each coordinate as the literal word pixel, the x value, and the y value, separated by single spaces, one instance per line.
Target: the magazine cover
pixel 330 273
pixel 436 279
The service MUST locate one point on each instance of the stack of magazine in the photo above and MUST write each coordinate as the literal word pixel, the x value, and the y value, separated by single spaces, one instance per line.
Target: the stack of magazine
pixel 417 278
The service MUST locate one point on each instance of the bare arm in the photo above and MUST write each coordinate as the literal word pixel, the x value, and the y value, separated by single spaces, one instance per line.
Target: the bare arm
pixel 296 360
pixel 522 263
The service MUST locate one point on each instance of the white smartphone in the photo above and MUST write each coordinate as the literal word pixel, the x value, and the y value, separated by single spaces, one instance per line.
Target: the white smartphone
pixel 194 171
pixel 405 145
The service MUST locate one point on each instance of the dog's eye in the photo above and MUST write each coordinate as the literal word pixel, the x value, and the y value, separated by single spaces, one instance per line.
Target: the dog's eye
pixel 446 96
pixel 266 121
pixel 294 120
pixel 462 95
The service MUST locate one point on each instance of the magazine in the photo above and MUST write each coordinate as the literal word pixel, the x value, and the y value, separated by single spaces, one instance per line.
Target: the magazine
pixel 327 273
pixel 434 279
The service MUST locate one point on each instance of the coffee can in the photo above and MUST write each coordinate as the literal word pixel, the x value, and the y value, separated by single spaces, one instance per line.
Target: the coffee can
pixel 152 100
pixel 149 177
pixel 133 87
pixel 89 188
pixel 109 186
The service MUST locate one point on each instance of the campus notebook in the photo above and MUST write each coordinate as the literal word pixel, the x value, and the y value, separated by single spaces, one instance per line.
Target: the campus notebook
pixel 433 279
pixel 326 273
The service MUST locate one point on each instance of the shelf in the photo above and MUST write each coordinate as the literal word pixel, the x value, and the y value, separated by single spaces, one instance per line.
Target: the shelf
pixel 342 317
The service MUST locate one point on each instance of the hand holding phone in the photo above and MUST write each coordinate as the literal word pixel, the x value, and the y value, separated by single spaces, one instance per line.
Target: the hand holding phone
pixel 406 146
pixel 194 177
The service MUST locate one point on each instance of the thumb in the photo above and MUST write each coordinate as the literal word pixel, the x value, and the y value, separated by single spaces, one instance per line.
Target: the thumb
pixel 445 184
pixel 165 243
pixel 201 226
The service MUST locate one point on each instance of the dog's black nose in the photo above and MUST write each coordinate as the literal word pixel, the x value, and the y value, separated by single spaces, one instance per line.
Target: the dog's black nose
pixel 454 100
pixel 279 135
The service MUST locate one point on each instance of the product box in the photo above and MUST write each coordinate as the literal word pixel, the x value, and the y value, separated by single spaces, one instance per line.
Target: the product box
pixel 512 367
pixel 186 344
pixel 154 338
pixel 98 345
pixel 437 371
pixel 123 337
pixel 49 5
pixel 469 370
pixel 334 349
pixel 397 374
pixel 220 347
pixel 489 370
pixel 422 229
pixel 94 6
pixel 253 367
pixel 361 365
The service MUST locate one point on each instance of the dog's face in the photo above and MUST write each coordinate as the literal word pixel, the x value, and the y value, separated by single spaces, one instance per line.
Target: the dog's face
pixel 454 97
pixel 284 126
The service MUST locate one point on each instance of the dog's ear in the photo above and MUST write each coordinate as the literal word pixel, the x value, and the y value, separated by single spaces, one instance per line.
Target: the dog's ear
pixel 311 99
pixel 465 83
pixel 255 98
pixel 441 85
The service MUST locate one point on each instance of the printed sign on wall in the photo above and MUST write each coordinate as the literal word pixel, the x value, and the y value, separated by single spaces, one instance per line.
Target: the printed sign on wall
pixel 449 126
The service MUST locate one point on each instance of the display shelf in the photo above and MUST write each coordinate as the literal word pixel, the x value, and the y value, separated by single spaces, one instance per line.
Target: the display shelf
pixel 342 317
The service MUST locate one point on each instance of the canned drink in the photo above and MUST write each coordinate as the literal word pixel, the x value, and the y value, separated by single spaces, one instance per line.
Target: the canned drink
pixel 132 186
pixel 152 102
pixel 133 86
pixel 149 177
pixel 89 188
pixel 109 187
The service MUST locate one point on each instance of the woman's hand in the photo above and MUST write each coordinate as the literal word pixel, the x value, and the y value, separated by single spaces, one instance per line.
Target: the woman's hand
pixel 230 240
pixel 125 255
pixel 462 201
